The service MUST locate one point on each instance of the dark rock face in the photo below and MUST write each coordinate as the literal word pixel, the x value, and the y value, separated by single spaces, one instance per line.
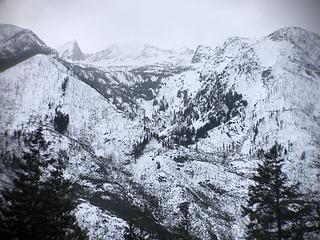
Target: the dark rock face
pixel 202 53
pixel 77 53
pixel 71 51
pixel 18 45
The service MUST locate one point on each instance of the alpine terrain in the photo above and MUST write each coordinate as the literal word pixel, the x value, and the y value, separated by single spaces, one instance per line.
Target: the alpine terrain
pixel 164 143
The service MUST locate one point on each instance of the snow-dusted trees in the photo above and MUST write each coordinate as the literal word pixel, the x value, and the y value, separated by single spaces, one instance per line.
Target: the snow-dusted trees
pixel 138 147
pixel 38 207
pixel 276 209
pixel 64 85
pixel 184 226
pixel 61 121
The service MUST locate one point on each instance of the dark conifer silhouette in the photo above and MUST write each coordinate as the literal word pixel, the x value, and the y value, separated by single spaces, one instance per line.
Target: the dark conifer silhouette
pixel 36 207
pixel 61 121
pixel 22 202
pixel 276 210
pixel 59 197
pixel 184 227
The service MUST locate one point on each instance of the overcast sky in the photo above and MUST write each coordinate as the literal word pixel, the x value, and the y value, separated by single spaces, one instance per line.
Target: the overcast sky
pixel 96 24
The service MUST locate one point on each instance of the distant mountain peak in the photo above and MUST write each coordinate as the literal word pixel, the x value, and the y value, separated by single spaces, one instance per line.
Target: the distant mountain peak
pixel 71 51
pixel 293 34
pixel 202 53
pixel 138 53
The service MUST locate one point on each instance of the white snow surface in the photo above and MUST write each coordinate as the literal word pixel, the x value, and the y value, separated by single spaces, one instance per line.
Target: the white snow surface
pixel 278 76
pixel 138 54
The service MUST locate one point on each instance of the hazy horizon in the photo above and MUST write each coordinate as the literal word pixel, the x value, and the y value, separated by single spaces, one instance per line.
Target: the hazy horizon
pixel 166 24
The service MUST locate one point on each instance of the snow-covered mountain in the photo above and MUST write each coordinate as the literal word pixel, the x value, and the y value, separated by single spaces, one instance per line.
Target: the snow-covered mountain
pixel 71 51
pixel 202 54
pixel 200 117
pixel 17 44
pixel 128 55
pixel 139 54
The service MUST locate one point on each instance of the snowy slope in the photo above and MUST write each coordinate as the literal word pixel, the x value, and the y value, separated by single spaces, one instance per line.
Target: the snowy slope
pixel 204 115
pixel 92 118
pixel 279 80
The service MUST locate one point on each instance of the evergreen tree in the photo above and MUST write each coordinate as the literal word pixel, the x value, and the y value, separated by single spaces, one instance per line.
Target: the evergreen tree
pixel 59 197
pixel 276 209
pixel 23 202
pixel 184 226
pixel 20 205
pixel 61 121
pixel 36 209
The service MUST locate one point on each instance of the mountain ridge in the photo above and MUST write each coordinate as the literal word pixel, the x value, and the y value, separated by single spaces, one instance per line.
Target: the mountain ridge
pixel 171 137
pixel 18 44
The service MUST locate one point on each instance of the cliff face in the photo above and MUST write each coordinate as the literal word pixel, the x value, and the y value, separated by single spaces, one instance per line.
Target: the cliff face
pixel 71 51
